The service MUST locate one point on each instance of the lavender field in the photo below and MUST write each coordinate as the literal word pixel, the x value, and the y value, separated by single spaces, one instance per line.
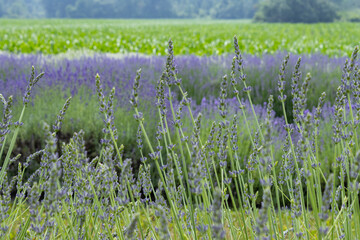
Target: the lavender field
pixel 237 146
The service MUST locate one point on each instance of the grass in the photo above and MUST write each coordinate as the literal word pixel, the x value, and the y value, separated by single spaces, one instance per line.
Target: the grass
pixel 206 186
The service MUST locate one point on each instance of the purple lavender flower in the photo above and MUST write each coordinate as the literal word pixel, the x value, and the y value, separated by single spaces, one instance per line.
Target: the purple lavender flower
pixel 281 81
pixel 131 229
pixel 217 228
pixel 222 99
pixel 60 117
pixel 32 82
pixel 6 122
pixel 5 203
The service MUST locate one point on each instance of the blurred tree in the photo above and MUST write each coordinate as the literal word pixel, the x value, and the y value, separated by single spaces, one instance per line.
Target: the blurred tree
pixel 229 9
pixel 282 10
pixel 225 9
pixel 346 4
pixel 155 9
pixel 35 9
pixel 14 9
pixel 1 8
pixel 112 9
pixel 57 9
pixel 185 8
pixel 305 11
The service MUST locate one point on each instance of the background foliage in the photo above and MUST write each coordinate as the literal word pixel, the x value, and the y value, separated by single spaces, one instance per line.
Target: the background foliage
pixel 306 11
pixel 128 8
pixel 220 9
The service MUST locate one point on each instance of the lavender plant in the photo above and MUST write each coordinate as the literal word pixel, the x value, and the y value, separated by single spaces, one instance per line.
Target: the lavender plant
pixel 194 182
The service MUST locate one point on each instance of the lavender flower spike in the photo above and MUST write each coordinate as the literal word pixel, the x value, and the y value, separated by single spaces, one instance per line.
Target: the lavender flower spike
pixel 32 81
pixel 60 117
pixel 5 124
pixel 134 92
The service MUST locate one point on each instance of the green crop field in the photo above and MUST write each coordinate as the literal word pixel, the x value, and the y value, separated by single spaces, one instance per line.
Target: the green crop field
pixel 199 37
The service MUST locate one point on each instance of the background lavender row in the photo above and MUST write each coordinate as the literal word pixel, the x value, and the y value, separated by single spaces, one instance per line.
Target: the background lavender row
pixel 200 75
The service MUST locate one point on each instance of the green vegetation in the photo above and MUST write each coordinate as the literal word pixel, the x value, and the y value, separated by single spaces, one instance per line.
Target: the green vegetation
pixel 197 37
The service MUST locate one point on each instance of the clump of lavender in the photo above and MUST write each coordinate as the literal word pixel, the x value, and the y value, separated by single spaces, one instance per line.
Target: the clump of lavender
pixel 261 228
pixel 106 108
pixel 35 215
pixel 5 204
pixel 6 119
pixel 131 229
pixel 163 230
pixel 217 228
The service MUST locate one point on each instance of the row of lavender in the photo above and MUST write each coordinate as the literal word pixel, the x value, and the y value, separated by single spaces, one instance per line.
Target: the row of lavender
pixel 201 77
pixel 221 169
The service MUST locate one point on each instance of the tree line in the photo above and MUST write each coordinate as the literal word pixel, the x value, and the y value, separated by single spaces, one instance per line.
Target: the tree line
pixel 260 10
pixel 128 8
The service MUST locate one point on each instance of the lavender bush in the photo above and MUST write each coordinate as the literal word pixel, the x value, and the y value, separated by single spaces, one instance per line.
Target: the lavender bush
pixel 206 188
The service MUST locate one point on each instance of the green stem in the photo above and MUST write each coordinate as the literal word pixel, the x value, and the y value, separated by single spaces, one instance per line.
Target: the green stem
pixel 12 144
